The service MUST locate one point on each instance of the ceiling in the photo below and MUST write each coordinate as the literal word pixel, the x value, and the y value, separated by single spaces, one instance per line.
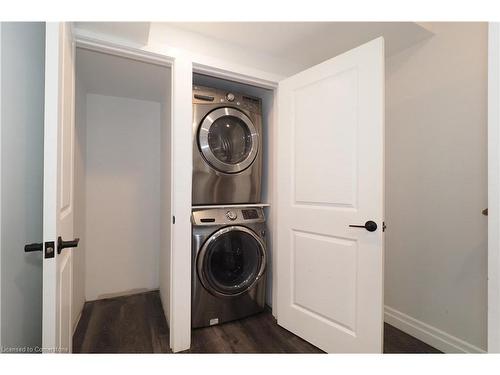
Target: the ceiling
pixel 308 42
pixel 297 45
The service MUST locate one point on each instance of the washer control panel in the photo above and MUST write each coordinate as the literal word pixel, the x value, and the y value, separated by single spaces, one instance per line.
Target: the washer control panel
pixel 227 215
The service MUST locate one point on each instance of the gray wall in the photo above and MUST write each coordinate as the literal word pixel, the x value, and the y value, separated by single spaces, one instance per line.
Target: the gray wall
pixel 22 98
pixel 436 184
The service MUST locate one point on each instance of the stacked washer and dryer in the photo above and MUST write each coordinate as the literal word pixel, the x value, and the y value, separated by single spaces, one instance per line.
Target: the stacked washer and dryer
pixel 228 238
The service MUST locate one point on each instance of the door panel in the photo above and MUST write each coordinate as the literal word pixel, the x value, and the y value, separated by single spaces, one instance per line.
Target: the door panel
pixel 318 140
pixel 58 185
pixel 66 140
pixel 64 303
pixel 338 268
pixel 330 175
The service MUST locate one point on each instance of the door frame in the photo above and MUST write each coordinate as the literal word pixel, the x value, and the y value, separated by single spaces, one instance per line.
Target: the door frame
pixel 233 75
pixel 136 54
pixel 272 222
pixel 493 187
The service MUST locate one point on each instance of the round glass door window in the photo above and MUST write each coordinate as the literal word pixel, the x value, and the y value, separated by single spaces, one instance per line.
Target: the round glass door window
pixel 228 140
pixel 231 261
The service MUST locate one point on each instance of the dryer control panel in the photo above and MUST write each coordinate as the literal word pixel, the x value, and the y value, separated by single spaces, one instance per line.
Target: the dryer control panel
pixel 207 95
pixel 227 215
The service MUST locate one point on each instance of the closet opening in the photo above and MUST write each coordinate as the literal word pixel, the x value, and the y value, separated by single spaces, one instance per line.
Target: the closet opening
pixel 122 187
pixel 243 119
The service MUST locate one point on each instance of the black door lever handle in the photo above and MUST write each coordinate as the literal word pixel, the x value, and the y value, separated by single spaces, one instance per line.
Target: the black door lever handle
pixel 28 248
pixel 370 226
pixel 66 244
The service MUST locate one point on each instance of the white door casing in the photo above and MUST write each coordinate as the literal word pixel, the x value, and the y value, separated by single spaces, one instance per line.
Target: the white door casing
pixel 493 187
pixel 330 175
pixel 180 262
pixel 58 185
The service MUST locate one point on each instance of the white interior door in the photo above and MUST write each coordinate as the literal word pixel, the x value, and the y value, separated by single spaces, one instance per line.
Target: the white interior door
pixel 330 176
pixel 58 187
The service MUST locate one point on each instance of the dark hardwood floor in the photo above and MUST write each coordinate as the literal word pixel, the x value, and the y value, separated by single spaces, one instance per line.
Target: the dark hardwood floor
pixel 397 341
pixel 128 324
pixel 136 324
pixel 255 334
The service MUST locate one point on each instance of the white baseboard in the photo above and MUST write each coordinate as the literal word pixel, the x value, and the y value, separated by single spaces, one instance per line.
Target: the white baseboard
pixel 428 334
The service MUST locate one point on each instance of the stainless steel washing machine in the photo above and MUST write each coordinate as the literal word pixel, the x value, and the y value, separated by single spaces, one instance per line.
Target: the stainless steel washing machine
pixel 227 147
pixel 228 264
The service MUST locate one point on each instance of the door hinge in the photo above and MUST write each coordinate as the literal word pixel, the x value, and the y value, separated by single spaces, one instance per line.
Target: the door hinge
pixel 173 219
pixel 49 249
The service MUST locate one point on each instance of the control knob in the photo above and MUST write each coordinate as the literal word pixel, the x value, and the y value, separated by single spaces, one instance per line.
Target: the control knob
pixel 230 97
pixel 231 215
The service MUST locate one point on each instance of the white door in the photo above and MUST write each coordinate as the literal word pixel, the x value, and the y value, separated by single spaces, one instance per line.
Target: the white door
pixel 58 187
pixel 330 176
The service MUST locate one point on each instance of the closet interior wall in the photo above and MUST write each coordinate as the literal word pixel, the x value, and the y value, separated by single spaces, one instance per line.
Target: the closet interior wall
pixel 267 97
pixel 122 178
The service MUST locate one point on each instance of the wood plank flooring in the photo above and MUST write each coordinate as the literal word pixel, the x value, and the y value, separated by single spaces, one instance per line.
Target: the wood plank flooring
pixel 255 334
pixel 136 324
pixel 396 341
pixel 128 324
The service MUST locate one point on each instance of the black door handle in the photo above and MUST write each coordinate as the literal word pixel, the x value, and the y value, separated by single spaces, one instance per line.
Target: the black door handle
pixel 66 244
pixel 28 248
pixel 370 226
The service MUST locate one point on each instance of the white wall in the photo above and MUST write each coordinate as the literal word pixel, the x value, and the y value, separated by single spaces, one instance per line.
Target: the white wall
pixel 122 195
pixel 22 92
pixel 436 187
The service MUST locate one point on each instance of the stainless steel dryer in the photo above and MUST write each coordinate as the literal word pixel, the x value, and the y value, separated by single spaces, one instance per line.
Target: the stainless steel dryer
pixel 228 264
pixel 227 147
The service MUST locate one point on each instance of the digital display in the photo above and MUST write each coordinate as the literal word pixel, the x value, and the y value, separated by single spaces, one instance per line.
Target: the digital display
pixel 250 214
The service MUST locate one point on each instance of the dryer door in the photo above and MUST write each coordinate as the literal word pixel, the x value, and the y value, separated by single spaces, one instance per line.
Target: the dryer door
pixel 228 140
pixel 231 261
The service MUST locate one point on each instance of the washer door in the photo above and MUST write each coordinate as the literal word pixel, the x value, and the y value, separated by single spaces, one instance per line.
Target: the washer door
pixel 231 261
pixel 228 140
